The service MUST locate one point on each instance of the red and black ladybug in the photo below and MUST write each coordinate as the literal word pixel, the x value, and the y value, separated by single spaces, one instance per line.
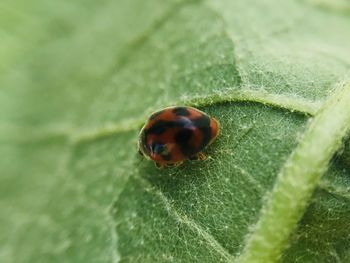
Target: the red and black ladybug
pixel 175 134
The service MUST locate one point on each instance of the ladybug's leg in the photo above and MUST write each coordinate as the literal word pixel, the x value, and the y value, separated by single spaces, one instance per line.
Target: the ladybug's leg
pixel 159 165
pixel 178 163
pixel 202 156
pixel 140 152
pixel 198 156
pixel 173 164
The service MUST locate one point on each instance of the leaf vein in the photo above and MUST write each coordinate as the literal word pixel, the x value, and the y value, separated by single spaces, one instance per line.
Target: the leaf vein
pixel 184 219
pixel 334 190
pixel 287 102
pixel 291 103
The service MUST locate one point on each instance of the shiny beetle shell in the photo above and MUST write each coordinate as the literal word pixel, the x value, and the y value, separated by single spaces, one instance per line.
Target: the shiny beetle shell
pixel 175 134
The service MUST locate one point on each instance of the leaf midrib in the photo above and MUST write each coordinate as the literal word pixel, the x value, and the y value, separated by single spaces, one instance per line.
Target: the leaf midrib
pixel 298 179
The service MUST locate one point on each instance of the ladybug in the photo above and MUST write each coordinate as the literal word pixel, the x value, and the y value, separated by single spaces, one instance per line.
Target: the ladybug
pixel 175 134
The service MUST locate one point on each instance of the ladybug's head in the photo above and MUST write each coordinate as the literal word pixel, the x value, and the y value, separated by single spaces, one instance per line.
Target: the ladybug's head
pixel 156 151
pixel 154 146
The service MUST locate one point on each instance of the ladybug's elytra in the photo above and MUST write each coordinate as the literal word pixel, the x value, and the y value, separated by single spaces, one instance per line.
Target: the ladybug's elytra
pixel 175 134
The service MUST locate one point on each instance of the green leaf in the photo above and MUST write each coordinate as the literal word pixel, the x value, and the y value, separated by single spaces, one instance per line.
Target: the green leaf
pixel 78 80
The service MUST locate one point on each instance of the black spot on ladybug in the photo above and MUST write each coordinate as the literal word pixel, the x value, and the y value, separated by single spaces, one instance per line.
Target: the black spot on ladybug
pixel 161 126
pixel 181 111
pixel 155 115
pixel 203 124
pixel 183 136
pixel 157 128
pixel 182 140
